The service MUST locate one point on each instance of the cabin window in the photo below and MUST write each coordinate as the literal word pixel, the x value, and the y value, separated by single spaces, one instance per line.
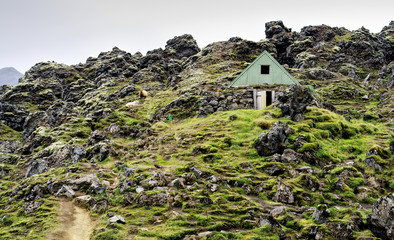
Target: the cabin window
pixel 265 69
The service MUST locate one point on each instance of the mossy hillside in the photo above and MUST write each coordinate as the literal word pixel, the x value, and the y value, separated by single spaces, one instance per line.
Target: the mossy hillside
pixel 242 130
pixel 19 225
pixel 225 142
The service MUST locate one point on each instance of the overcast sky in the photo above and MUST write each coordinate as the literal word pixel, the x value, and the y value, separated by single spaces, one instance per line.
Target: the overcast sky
pixel 70 31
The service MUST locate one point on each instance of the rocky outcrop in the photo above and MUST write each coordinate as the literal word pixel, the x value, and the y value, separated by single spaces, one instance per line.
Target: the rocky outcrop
pixel 182 46
pixel 273 141
pixel 274 28
pixel 13 116
pixel 381 220
pixel 294 100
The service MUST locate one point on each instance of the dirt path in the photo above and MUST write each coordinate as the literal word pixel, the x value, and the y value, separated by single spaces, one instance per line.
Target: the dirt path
pixel 75 223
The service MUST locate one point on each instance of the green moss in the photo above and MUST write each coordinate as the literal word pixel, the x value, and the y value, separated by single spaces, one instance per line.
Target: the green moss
pixel 354 182
pixel 7 133
pixel 334 127
pixel 113 234
pixel 322 134
pixel 309 147
pixel 347 37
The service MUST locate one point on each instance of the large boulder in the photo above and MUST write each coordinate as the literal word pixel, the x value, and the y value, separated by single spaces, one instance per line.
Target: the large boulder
pixel 275 27
pixel 273 141
pixel 182 46
pixel 381 220
pixel 293 102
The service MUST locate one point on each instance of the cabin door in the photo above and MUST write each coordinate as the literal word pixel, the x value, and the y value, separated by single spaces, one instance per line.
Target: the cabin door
pixel 264 98
pixel 260 99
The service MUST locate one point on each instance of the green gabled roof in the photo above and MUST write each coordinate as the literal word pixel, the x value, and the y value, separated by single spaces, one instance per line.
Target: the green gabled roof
pixel 252 76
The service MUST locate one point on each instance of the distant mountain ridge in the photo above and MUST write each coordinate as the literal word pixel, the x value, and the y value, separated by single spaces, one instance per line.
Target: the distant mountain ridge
pixel 9 76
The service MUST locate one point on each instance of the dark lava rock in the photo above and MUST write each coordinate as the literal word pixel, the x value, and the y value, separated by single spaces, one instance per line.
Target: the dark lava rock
pixel 273 170
pixel 275 27
pixel 320 74
pixel 155 199
pixel 96 137
pixel 340 230
pixel 372 163
pixel 128 171
pixel 31 206
pixel 182 46
pixel 293 101
pixel 321 214
pixel 273 141
pixel 381 220
pixel 13 116
pixel 289 155
pixel 36 167
pixel 319 33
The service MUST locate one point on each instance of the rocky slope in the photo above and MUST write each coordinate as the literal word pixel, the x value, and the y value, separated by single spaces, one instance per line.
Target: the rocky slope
pixel 9 76
pixel 316 165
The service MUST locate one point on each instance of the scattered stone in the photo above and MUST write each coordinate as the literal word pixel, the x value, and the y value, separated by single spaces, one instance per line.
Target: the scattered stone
pixel 139 189
pixel 117 219
pixel 178 183
pixel 31 206
pixel 128 171
pixel 84 182
pixel 100 205
pixel 84 201
pixel 278 211
pixel 372 163
pixel 205 234
pixel 245 165
pixel 65 190
pixel 119 165
pixel 97 188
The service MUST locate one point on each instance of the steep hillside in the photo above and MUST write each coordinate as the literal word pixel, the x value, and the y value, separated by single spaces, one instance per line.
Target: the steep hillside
pixel 97 134
pixel 9 76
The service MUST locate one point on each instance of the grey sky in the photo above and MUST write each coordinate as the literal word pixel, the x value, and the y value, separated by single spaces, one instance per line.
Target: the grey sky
pixel 69 31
